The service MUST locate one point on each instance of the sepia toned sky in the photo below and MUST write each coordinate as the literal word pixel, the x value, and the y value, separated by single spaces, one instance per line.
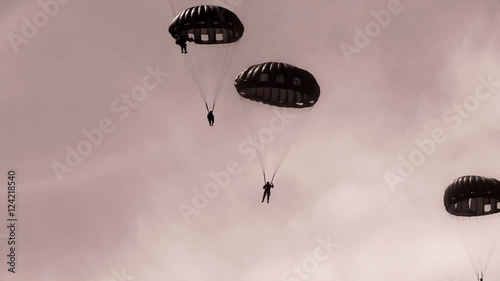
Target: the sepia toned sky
pixel 118 209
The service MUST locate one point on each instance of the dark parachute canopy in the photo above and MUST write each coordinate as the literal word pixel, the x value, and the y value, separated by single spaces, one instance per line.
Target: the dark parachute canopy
pixel 473 204
pixel 472 196
pixel 278 84
pixel 269 92
pixel 207 25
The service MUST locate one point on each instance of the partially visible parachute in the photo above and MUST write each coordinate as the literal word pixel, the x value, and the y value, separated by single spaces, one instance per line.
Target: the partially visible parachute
pixel 474 204
pixel 214 32
pixel 277 98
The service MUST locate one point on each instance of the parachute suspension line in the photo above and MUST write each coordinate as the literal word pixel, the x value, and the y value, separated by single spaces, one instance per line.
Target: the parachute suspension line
pixel 287 141
pixel 194 68
pixel 216 84
pixel 206 105
pixel 208 64
pixel 227 53
pixel 194 71
pixel 199 66
pixel 203 54
pixel 252 128
pixel 216 87
pixel 273 176
pixel 258 147
pixel 208 72
pixel 469 229
pixel 490 223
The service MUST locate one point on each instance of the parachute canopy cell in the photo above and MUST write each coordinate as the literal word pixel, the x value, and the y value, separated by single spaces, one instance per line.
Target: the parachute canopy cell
pixel 470 196
pixel 207 24
pixel 278 84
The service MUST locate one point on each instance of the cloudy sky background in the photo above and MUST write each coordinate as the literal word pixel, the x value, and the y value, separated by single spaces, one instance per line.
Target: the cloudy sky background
pixel 120 207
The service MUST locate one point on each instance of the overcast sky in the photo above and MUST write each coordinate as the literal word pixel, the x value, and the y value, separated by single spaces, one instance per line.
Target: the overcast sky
pixel 119 208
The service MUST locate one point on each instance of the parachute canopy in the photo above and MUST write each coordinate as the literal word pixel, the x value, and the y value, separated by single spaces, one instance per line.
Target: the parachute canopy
pixel 471 196
pixel 278 84
pixel 269 92
pixel 215 32
pixel 207 24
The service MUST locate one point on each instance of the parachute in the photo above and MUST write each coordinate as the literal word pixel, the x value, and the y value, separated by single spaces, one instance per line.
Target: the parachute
pixel 474 204
pixel 215 32
pixel 277 98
